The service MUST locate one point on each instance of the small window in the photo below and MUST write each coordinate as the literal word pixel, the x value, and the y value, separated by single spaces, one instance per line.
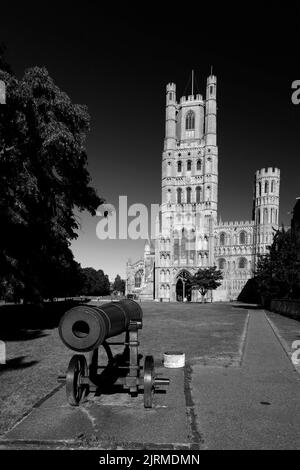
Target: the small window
pixel 222 264
pixel 211 90
pixel 272 186
pixel 242 263
pixel 243 238
pixel 222 239
pixel 258 216
pixel 199 165
pixel 190 121
pixel 179 196
pixel 266 187
pixel 198 195
pixel 188 196
pixel 138 279
pixel 189 165
pixel 179 167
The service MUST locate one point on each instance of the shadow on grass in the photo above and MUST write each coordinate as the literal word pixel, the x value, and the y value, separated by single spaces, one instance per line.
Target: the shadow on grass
pixel 16 363
pixel 248 306
pixel 22 335
pixel 27 322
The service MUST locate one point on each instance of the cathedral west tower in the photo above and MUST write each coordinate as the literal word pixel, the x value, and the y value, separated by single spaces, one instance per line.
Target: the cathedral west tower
pixel 189 235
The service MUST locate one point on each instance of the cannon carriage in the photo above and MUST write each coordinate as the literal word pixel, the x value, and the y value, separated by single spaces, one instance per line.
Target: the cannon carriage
pixel 85 329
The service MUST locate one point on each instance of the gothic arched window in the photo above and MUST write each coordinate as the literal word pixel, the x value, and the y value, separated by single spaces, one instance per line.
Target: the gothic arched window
pixel 209 165
pixel 222 239
pixel 199 165
pixel 272 186
pixel 259 189
pixel 189 165
pixel 258 216
pixel 188 196
pixel 243 238
pixel 179 167
pixel 208 193
pixel 179 196
pixel 266 187
pixel 190 121
pixel 198 195
pixel 169 195
pixel 138 279
pixel 222 264
pixel 242 263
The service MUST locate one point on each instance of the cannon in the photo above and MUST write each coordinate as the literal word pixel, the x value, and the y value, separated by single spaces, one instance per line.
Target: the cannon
pixel 85 329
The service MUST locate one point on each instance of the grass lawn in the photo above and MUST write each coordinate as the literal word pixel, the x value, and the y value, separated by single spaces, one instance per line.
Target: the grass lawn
pixel 208 334
pixel 287 328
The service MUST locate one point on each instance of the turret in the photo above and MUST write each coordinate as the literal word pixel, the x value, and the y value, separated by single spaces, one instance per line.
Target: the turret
pixel 211 111
pixel 170 140
pixel 266 197
pixel 210 173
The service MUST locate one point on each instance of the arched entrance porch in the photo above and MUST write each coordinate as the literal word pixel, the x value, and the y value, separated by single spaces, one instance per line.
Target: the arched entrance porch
pixel 184 287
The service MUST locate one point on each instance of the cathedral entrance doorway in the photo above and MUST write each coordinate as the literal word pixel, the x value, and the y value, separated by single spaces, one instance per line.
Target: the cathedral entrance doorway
pixel 184 287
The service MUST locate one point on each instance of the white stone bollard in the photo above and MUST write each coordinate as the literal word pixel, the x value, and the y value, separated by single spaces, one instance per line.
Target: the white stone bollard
pixel 174 360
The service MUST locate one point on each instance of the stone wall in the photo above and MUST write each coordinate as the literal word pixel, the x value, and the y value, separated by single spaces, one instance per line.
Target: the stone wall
pixel 288 308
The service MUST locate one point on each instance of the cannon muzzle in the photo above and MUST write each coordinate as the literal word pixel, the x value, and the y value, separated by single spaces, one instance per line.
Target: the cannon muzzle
pixel 84 328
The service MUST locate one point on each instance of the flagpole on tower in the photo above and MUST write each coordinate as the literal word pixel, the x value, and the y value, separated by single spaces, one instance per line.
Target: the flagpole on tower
pixel 193 82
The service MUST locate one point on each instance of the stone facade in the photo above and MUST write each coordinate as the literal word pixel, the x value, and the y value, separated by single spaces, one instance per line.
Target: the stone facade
pixel 188 232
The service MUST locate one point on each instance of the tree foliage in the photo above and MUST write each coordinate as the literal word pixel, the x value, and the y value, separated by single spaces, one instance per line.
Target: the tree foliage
pixel 207 279
pixel 3 64
pixel 278 272
pixel 95 282
pixel 43 178
pixel 119 284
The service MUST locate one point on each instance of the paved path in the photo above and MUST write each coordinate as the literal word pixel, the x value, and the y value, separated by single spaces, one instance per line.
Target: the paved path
pixel 114 421
pixel 255 406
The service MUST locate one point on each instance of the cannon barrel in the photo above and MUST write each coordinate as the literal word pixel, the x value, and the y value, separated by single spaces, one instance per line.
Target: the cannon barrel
pixel 84 328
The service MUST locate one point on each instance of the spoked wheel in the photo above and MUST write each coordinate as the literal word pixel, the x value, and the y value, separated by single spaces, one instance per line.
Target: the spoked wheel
pixel 76 390
pixel 148 381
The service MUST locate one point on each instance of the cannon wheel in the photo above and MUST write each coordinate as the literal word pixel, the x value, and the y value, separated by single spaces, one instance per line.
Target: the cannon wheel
pixel 148 381
pixel 76 391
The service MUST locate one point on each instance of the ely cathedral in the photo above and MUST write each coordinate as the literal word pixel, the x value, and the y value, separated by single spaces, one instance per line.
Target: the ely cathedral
pixel 189 235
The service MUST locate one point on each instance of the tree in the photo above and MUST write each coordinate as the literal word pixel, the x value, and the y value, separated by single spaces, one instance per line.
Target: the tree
pixel 206 279
pixel 95 282
pixel 3 64
pixel 295 231
pixel 278 273
pixel 119 284
pixel 43 178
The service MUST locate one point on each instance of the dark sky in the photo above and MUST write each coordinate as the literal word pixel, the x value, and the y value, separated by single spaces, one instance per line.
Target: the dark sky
pixel 119 61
